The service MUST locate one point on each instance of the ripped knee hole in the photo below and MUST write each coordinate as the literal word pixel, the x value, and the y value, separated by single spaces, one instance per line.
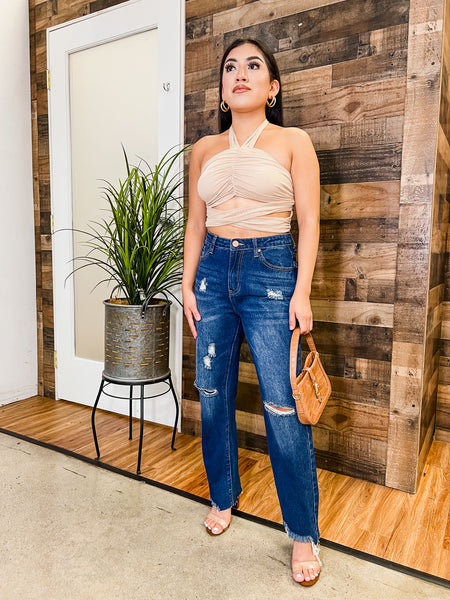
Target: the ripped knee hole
pixel 205 392
pixel 280 411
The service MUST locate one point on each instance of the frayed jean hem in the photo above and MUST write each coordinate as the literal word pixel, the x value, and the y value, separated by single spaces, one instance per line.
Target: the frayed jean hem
pixel 217 507
pixel 299 538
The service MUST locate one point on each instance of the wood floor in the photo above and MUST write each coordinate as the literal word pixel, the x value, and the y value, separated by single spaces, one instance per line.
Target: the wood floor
pixel 411 530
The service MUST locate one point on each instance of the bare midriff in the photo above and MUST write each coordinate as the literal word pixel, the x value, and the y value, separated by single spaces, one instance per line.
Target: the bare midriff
pixel 232 231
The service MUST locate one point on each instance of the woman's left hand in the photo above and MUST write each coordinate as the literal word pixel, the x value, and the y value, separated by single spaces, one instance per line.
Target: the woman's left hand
pixel 300 312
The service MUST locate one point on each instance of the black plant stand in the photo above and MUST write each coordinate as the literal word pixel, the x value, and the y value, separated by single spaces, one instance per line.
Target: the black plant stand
pixel 167 379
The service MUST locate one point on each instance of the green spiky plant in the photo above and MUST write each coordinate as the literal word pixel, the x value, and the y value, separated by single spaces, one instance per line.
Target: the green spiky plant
pixel 140 244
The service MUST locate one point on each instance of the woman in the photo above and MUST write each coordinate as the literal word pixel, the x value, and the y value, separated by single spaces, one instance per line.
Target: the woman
pixel 241 278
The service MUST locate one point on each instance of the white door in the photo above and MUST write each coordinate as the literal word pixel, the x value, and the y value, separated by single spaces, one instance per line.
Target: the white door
pixel 116 78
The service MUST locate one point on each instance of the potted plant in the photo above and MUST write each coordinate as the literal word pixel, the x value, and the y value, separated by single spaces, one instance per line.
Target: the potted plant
pixel 140 247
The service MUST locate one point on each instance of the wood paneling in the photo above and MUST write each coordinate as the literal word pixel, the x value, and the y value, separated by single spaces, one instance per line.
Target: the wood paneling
pixel 411 406
pixel 439 263
pixel 352 512
pixel 328 21
pixel 352 106
pixel 353 165
pixel 362 78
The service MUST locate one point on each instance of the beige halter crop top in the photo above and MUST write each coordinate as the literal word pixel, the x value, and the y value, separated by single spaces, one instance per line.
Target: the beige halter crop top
pixel 251 173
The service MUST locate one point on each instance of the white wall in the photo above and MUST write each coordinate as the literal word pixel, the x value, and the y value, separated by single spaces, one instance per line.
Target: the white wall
pixel 18 346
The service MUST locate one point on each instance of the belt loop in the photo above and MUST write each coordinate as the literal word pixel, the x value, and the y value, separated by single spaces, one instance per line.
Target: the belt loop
pixel 255 247
pixel 294 245
pixel 213 243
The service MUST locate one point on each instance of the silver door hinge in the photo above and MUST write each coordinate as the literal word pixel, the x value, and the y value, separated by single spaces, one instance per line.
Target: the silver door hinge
pixel 55 359
pixel 52 223
pixel 48 79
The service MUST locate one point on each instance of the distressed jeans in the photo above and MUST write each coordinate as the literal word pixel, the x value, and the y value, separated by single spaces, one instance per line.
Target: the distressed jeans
pixel 243 287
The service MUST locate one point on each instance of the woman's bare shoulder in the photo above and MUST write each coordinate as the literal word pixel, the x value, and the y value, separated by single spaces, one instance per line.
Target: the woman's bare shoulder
pixel 299 141
pixel 209 141
pixel 208 146
pixel 293 136
pixel 297 135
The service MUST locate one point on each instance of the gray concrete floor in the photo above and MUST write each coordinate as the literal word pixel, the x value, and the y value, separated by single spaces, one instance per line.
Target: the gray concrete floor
pixel 73 531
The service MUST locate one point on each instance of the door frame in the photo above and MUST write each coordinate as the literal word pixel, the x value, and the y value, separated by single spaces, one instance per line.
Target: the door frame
pixel 122 20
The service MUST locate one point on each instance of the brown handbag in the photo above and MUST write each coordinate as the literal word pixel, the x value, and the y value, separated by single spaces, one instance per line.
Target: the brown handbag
pixel 311 388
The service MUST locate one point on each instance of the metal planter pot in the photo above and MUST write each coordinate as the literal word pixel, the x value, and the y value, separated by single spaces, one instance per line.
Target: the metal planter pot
pixel 136 347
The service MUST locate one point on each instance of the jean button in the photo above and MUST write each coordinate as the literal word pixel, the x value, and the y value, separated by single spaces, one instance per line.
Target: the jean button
pixel 235 243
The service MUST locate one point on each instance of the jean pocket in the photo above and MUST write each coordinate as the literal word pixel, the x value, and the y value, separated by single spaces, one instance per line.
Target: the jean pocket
pixel 278 258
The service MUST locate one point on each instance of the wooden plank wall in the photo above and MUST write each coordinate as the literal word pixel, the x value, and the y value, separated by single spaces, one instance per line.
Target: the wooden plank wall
pixel 442 264
pixel 415 352
pixel 356 74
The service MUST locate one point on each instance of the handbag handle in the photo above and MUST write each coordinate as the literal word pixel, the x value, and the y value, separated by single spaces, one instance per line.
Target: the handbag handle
pixel 294 353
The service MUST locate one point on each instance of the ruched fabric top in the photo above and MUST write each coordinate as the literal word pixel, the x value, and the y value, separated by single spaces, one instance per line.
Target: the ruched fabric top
pixel 250 173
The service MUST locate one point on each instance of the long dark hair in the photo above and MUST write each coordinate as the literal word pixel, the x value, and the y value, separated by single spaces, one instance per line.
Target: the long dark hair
pixel 273 115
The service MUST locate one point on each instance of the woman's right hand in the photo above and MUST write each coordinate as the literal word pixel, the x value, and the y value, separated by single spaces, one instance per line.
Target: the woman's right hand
pixel 191 311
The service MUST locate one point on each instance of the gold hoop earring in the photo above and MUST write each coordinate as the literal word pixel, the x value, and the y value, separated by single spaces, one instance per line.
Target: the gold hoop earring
pixel 271 102
pixel 224 106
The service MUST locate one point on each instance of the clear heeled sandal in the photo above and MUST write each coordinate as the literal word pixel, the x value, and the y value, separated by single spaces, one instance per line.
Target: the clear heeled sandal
pixel 300 566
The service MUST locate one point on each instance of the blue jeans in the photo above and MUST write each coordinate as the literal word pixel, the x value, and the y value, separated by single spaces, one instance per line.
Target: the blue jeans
pixel 243 287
